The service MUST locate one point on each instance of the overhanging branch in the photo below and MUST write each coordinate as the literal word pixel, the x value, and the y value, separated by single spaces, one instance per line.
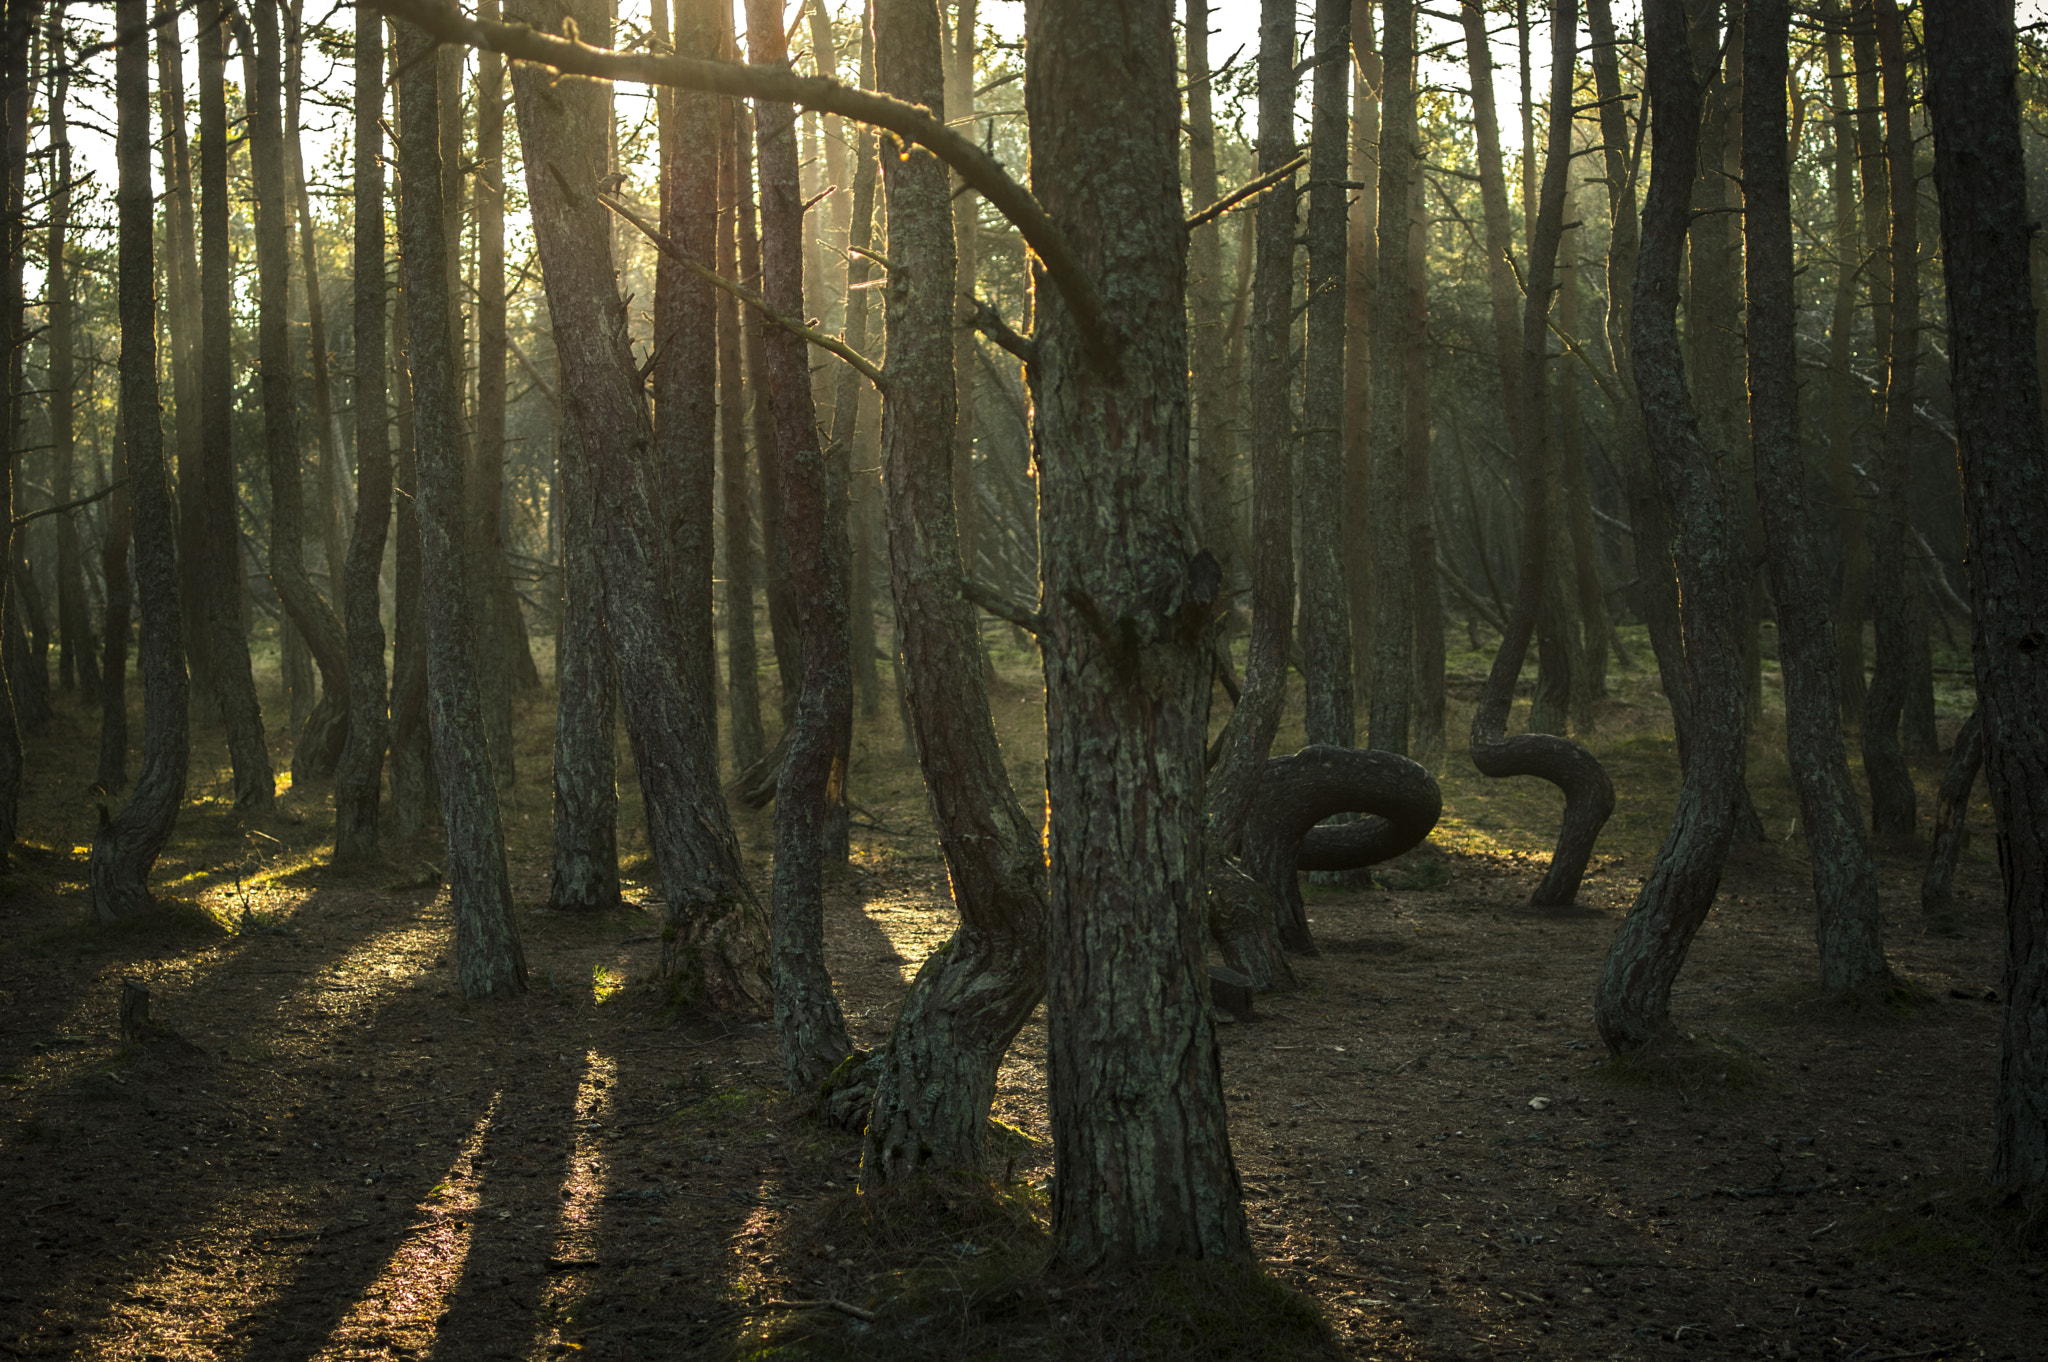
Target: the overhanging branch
pixel 910 122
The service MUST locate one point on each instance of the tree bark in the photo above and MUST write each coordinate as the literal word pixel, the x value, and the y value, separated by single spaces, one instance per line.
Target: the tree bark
pixel 1325 611
pixel 255 787
pixel 1951 822
pixel 500 627
pixel 742 676
pixel 78 667
pixel 937 1077
pixel 586 860
pixel 1393 628
pixel 358 776
pixel 125 848
pixel 967 249
pixel 1215 512
pixel 320 741
pixel 1398 796
pixel 712 943
pixel 113 761
pixel 1589 794
pixel 1361 277
pixel 811 787
pixel 1428 708
pixel 1850 934
pixel 1893 811
pixel 1632 1006
pixel 1979 169
pixel 1841 415
pixel 412 762
pixel 489 959
pixel 1143 1168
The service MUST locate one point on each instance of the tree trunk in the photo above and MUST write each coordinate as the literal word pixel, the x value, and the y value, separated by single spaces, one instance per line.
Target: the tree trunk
pixel 1589 795
pixel 967 247
pixel 1632 1006
pixel 1589 659
pixel 1215 513
pixel 1325 611
pixel 1979 169
pixel 319 743
pixel 1951 824
pixel 713 942
pixel 783 628
pixel 125 848
pixel 1852 599
pixel 1144 1169
pixel 1844 879
pixel 937 1078
pixel 1249 939
pixel 1428 711
pixel 255 788
pixel 78 665
pixel 489 960
pixel 181 273
pixel 1361 278
pixel 811 787
pixel 742 676
pixel 113 762
pixel 359 774
pixel 1393 628
pixel 586 862
pixel 500 628
pixel 866 490
pixel 1892 800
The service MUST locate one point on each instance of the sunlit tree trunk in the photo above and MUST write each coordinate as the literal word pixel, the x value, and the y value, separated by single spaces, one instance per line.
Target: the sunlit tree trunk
pixel 937 1077
pixel 742 678
pixel 500 628
pixel 489 959
pixel 1143 1165
pixel 125 848
pixel 811 789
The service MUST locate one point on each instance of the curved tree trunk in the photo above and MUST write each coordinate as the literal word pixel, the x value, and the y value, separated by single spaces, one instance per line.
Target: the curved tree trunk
pixel 1399 797
pixel 1632 1006
pixel 937 1078
pixel 713 942
pixel 1979 168
pixel 1844 879
pixel 811 787
pixel 489 960
pixel 1144 1169
pixel 358 776
pixel 125 848
pixel 1589 794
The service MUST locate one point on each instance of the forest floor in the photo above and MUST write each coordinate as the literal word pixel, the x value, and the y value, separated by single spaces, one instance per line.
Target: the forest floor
pixel 341 1158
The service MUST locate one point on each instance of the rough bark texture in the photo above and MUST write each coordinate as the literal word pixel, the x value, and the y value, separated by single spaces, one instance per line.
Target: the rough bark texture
pixel 937 1077
pixel 1215 516
pixel 500 629
pixel 714 938
pixel 1144 1169
pixel 1893 809
pixel 113 763
pixel 1589 794
pixel 319 742
pixel 586 860
pixel 1979 169
pixel 125 848
pixel 78 665
pixel 742 675
pixel 1427 713
pixel 1632 1006
pixel 411 757
pixel 1844 879
pixel 1951 821
pixel 1393 627
pixel 1325 611
pixel 255 787
pixel 1399 798
pixel 358 777
pixel 489 960
pixel 967 266
pixel 1359 282
pixel 811 787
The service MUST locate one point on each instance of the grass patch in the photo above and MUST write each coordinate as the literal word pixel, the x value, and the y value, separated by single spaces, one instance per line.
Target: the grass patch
pixel 605 983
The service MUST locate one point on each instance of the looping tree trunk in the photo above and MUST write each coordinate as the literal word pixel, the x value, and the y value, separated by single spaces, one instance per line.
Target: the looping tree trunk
pixel 1399 797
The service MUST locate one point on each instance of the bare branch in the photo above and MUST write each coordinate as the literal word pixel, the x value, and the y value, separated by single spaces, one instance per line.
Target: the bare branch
pixel 1246 192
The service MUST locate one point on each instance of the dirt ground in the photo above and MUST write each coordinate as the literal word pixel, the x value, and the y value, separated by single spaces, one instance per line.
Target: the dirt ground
pixel 341 1158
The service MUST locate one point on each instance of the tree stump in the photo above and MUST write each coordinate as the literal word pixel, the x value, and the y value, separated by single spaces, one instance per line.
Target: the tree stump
pixel 136 1026
pixel 1399 798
